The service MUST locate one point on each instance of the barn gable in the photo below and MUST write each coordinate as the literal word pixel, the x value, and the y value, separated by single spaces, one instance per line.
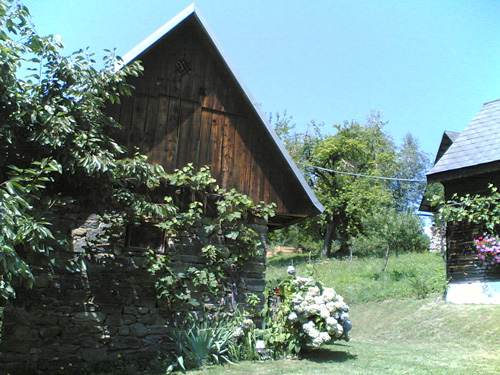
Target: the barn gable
pixel 190 106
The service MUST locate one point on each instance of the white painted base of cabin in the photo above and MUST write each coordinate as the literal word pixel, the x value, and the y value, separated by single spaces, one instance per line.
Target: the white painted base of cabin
pixel 479 293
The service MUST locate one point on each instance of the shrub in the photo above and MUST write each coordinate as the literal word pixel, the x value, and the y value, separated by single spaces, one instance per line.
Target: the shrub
pixel 302 312
pixel 400 231
pixel 204 340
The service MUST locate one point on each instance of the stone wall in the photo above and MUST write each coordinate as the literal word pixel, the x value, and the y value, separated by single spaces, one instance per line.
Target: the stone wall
pixel 107 308
pixel 438 240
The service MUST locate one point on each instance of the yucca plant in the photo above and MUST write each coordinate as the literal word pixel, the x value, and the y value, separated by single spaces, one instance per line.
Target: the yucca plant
pixel 203 341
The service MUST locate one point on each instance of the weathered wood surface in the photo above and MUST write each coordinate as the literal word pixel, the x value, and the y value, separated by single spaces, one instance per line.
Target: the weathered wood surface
pixel 203 117
pixel 461 262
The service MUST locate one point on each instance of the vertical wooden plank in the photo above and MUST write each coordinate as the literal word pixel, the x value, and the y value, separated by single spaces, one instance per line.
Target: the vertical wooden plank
pixel 113 110
pixel 278 182
pixel 153 70
pixel 172 135
pixel 177 52
pixel 194 151
pixel 204 142
pixel 185 133
pixel 228 139
pixel 256 175
pixel 219 89
pixel 208 79
pixel 239 156
pixel 215 161
pixel 150 128
pixel 161 131
pixel 189 53
pixel 126 110
pixel 199 58
pixel 138 121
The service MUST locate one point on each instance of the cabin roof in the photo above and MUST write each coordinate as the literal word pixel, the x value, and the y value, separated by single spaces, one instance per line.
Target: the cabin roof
pixel 191 13
pixel 473 150
pixel 446 141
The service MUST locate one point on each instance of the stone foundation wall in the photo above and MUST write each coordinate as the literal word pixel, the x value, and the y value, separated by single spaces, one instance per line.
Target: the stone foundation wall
pixel 438 240
pixel 105 310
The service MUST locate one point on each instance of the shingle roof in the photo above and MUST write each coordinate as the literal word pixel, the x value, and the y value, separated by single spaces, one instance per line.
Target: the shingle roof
pixel 446 142
pixel 478 144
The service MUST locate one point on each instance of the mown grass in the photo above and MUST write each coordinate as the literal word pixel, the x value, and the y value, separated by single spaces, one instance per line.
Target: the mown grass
pixel 401 323
pixel 426 336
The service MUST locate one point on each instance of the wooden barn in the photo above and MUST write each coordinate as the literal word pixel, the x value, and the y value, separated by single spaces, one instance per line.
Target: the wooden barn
pixel 189 106
pixel 466 164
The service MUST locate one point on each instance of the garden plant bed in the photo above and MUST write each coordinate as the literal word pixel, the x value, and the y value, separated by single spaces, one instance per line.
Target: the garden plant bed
pixel 399 337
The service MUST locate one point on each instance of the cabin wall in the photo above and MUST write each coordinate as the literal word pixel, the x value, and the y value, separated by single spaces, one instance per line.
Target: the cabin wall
pixel 461 264
pixel 107 309
pixel 199 114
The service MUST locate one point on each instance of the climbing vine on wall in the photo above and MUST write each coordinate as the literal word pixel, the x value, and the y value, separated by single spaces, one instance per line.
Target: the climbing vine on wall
pixel 221 221
pixel 59 151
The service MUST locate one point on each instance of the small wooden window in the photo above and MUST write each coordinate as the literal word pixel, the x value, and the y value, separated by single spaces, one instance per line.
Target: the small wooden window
pixel 146 237
pixel 182 67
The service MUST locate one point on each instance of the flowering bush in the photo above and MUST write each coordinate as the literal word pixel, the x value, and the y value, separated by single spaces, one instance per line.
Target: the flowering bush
pixel 488 249
pixel 305 313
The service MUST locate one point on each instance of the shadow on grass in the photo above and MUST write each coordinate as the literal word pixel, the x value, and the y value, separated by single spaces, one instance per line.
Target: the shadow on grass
pixel 329 355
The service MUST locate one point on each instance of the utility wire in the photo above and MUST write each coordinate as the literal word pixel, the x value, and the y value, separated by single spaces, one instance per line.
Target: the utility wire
pixel 362 175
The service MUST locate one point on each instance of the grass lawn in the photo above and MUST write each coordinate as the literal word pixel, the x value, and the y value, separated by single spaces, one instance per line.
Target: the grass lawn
pixel 426 336
pixel 394 331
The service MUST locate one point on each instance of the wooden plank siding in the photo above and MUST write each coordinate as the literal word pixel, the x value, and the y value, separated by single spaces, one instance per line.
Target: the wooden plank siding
pixel 203 117
pixel 461 265
pixel 461 262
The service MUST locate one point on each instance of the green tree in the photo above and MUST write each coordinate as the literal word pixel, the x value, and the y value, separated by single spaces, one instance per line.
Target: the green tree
pixel 411 164
pixel 54 133
pixel 337 167
pixel 390 231
pixel 340 161
pixel 58 151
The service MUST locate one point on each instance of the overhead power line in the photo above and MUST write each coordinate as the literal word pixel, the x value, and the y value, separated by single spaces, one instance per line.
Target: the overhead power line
pixel 363 175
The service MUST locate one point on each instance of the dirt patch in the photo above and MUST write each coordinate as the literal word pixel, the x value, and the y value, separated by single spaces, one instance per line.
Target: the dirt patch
pixel 281 250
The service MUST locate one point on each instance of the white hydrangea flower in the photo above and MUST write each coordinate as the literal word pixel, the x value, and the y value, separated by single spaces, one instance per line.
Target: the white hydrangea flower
pixel 325 337
pixel 330 306
pixel 344 315
pixel 309 298
pixel 293 316
pixel 260 346
pixel 318 341
pixel 310 324
pixel 331 321
pixel 340 330
pixel 329 294
pixel 324 313
pixel 297 298
pixel 313 291
pixel 319 300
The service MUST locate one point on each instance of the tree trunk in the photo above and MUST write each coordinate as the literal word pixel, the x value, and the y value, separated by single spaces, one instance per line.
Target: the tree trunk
pixel 386 259
pixel 327 243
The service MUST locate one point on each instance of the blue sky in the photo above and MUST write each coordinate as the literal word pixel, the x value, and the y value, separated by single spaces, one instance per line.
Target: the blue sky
pixel 427 66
